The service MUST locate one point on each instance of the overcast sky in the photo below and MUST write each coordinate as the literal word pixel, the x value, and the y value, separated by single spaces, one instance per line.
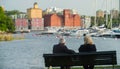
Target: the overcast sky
pixel 84 7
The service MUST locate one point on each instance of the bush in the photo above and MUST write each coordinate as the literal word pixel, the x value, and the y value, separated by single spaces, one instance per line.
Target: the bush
pixel 6 37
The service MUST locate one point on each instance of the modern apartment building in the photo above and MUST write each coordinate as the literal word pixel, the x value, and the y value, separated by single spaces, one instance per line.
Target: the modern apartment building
pixel 114 13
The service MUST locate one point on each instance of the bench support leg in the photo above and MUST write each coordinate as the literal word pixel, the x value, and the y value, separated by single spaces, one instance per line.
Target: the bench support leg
pixel 113 66
pixel 50 67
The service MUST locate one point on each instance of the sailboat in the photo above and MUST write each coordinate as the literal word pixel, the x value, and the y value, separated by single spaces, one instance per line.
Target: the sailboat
pixel 107 32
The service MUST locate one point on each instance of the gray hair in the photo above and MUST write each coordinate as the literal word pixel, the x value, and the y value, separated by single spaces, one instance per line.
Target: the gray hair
pixel 62 40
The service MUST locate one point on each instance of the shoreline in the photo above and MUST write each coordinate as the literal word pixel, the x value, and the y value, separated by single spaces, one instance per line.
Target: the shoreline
pixel 10 37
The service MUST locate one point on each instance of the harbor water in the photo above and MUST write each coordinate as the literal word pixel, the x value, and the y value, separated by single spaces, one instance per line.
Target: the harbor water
pixel 28 53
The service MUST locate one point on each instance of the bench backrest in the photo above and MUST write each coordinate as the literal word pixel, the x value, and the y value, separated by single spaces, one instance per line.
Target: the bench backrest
pixel 78 59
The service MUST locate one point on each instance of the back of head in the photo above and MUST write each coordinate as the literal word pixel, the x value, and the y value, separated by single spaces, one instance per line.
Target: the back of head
pixel 88 40
pixel 62 40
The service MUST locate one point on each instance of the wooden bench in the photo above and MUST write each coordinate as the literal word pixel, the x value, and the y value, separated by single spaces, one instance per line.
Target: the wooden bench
pixel 78 59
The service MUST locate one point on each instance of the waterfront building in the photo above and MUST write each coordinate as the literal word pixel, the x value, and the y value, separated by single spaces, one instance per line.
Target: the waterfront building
pixel 34 12
pixel 21 24
pixel 114 13
pixel 21 21
pixel 53 10
pixel 19 16
pixel 85 21
pixel 71 20
pixel 100 13
pixel 74 11
pixel 52 20
pixel 67 20
pixel 59 11
pixel 36 22
pixel 24 24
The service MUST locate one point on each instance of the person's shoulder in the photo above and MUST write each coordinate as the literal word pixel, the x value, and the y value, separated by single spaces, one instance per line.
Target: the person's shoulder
pixel 90 44
pixel 93 44
pixel 55 45
pixel 82 45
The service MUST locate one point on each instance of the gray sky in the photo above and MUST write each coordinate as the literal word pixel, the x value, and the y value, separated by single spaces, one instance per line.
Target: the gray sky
pixel 84 7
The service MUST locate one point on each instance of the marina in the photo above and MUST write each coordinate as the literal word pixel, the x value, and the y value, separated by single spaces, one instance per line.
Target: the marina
pixel 28 53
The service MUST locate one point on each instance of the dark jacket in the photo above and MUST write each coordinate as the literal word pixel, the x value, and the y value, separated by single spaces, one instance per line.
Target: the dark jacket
pixel 87 60
pixel 87 48
pixel 62 48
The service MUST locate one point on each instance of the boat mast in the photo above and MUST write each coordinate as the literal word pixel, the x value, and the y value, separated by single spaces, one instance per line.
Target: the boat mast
pixel 119 11
pixel 106 12
pixel 119 6
pixel 111 15
pixel 95 13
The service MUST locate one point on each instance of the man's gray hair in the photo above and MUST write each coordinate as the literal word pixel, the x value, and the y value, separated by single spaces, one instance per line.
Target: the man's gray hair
pixel 62 40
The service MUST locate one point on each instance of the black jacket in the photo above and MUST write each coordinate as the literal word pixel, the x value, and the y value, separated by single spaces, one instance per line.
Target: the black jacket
pixel 87 48
pixel 88 60
pixel 62 48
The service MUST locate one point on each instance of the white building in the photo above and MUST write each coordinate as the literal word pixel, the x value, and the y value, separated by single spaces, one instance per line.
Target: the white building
pixel 86 21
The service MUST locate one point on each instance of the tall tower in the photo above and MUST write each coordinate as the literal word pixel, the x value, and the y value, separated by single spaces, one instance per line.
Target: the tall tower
pixel 34 12
pixel 35 5
pixel 35 17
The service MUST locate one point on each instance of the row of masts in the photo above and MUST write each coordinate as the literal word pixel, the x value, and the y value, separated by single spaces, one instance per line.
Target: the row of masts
pixel 106 13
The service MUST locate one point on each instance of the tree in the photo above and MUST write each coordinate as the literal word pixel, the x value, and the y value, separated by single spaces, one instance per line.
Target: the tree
pixel 10 25
pixel 100 21
pixel 13 12
pixel 92 21
pixel 6 23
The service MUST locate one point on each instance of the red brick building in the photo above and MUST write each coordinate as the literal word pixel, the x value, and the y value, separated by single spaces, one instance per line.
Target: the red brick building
pixel 21 24
pixel 52 20
pixel 36 24
pixel 66 20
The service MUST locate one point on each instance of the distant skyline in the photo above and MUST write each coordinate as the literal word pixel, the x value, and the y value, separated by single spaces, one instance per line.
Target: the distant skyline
pixel 83 7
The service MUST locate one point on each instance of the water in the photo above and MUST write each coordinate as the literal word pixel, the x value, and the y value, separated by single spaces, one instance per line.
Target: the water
pixel 28 53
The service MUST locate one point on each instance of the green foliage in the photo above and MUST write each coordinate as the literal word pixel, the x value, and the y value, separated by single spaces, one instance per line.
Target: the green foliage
pixel 6 23
pixel 13 12
pixel 100 21
pixel 1 10
pixel 92 21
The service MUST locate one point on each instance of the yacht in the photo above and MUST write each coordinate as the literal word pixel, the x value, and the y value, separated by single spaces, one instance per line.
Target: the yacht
pixel 79 32
pixel 49 30
pixel 110 34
